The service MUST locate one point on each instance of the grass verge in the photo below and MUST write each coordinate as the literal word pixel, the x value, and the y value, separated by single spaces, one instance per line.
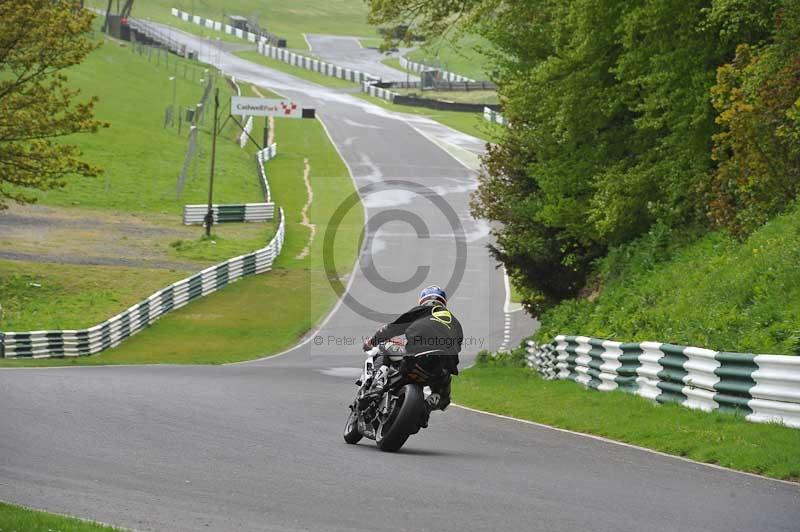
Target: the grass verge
pixel 20 519
pixel 715 438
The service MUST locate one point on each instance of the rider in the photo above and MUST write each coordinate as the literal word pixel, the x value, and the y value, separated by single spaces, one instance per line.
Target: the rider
pixel 427 328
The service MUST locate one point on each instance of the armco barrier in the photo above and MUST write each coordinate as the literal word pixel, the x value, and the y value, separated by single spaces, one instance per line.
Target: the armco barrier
pixel 377 92
pixel 314 65
pixel 420 67
pixel 764 388
pixel 243 212
pixel 229 30
pixel 493 116
pixel 45 344
pixel 240 212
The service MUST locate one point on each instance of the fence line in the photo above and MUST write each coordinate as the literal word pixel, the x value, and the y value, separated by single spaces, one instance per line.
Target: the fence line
pixel 314 65
pixel 215 25
pixel 765 388
pixel 421 67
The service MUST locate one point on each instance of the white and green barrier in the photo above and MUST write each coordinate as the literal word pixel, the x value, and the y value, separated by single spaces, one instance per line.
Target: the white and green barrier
pixel 314 65
pixel 46 344
pixel 239 212
pixel 421 67
pixel 378 92
pixel 493 116
pixel 225 28
pixel 229 213
pixel 763 388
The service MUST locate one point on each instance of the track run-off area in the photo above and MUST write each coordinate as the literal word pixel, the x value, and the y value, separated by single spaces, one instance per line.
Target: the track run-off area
pixel 258 446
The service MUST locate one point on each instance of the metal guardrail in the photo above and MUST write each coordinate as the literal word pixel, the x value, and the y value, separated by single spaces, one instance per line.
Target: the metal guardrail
pixel 314 65
pixel 241 212
pixel 110 333
pixel 420 67
pixel 229 30
pixel 764 388
pixel 378 92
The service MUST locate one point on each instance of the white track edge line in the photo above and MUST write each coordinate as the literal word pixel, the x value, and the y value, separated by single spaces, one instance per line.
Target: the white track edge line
pixel 624 444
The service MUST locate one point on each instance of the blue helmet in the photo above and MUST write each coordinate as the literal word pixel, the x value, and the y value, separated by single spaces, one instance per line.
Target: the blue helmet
pixel 432 294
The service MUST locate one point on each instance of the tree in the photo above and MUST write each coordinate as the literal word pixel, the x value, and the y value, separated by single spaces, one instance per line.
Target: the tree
pixel 611 122
pixel 39 39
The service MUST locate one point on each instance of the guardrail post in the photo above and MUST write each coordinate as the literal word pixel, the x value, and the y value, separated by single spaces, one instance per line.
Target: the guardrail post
pixel 2 345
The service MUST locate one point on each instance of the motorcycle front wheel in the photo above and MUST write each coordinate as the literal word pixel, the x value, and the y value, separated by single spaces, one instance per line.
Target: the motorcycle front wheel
pixel 403 420
pixel 351 433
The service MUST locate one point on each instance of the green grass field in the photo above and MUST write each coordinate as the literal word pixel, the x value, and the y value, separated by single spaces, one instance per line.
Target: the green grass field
pixel 252 317
pixel 267 313
pixel 19 519
pixel 286 18
pixel 459 53
pixel 716 438
pixel 141 158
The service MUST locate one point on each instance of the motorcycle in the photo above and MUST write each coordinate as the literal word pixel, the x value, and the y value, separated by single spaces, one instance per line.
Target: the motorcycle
pixel 392 416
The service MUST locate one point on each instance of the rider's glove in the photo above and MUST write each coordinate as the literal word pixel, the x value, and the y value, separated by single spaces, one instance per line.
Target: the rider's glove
pixel 367 344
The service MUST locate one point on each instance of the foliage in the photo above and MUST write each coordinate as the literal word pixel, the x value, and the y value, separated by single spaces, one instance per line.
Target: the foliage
pixel 517 358
pixel 757 96
pixel 612 124
pixel 38 40
pixel 714 291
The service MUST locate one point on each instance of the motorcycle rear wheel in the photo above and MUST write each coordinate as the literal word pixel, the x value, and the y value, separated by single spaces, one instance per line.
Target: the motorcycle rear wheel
pixel 403 420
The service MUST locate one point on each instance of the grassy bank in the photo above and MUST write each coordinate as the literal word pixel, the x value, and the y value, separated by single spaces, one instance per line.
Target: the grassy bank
pixel 267 313
pixel 715 438
pixel 286 18
pixel 459 53
pixel 141 158
pixel 19 519
pixel 715 292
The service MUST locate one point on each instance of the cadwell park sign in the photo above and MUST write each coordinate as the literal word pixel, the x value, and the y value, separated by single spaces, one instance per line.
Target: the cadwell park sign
pixel 241 105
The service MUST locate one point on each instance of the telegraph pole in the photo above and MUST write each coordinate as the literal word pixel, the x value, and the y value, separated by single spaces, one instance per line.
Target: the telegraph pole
pixel 210 214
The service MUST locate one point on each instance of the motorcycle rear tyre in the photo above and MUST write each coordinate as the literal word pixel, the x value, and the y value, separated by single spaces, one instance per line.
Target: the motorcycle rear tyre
pixel 406 420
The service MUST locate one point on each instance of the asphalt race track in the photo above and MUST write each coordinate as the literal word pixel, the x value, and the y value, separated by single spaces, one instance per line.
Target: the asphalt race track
pixel 257 446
